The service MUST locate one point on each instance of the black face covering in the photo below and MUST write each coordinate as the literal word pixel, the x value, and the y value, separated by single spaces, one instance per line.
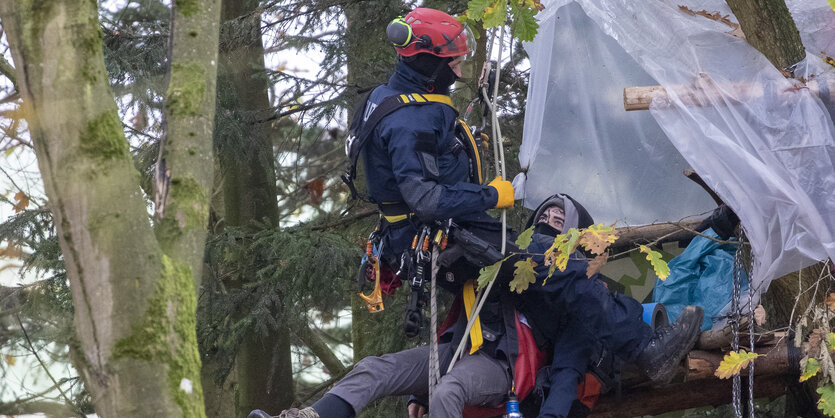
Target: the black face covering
pixel 441 76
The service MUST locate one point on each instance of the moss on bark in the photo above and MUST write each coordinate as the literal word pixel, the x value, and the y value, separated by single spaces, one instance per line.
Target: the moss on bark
pixel 187 89
pixel 186 7
pixel 103 138
pixel 167 334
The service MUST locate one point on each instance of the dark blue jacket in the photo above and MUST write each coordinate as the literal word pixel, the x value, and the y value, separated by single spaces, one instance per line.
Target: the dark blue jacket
pixel 411 157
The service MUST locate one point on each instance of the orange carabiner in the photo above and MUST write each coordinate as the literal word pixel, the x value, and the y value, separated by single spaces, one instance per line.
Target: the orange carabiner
pixel 374 301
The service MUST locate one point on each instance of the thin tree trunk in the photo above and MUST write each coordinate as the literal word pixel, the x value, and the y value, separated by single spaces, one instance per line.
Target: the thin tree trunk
pixel 134 303
pixel 263 374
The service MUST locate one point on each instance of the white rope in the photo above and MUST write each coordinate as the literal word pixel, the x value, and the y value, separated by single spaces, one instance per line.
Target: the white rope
pixel 498 155
pixel 434 365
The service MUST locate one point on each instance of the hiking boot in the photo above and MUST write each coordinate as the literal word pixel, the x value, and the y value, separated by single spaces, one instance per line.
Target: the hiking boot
pixel 287 413
pixel 669 344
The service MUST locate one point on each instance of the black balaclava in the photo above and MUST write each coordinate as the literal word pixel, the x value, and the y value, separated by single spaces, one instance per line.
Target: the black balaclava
pixel 437 69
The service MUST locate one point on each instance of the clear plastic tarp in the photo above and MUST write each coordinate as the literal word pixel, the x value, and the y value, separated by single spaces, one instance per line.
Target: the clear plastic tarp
pixel 764 143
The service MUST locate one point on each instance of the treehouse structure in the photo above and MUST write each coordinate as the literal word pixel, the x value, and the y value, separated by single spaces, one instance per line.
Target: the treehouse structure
pixel 624 97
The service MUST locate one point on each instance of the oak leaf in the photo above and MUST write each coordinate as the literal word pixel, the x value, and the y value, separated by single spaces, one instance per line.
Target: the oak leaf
pixel 733 363
pixel 525 238
pixel 22 201
pixel 827 401
pixel 564 245
pixel 597 238
pixel 523 275
pixel 662 270
pixel 810 367
pixel 596 264
pixel 487 274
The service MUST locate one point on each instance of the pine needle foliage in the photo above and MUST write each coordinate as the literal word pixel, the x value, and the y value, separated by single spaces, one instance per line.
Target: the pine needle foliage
pixel 264 276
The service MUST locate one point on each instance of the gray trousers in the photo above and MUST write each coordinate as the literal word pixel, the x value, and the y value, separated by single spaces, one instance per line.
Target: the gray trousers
pixel 476 379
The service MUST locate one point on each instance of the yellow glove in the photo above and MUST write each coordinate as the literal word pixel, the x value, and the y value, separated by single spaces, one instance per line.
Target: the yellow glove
pixel 505 190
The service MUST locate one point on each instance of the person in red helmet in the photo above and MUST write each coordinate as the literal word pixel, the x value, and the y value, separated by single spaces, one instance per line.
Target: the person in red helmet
pixel 419 171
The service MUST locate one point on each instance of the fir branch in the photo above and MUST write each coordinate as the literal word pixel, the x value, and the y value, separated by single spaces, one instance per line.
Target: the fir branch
pixel 46 369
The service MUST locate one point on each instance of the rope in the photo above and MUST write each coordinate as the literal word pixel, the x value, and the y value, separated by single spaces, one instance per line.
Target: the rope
pixel 434 365
pixel 498 155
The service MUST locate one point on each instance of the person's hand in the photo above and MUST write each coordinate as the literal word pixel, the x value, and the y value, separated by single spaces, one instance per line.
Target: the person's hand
pixel 505 189
pixel 416 410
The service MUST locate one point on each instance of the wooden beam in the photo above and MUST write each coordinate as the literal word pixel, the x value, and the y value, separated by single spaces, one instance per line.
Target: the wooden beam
pixel 704 92
pixel 633 236
pixel 647 400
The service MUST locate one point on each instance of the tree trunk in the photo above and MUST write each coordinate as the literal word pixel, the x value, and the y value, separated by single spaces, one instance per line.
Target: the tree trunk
pixel 134 296
pixel 769 27
pixel 370 61
pixel 263 374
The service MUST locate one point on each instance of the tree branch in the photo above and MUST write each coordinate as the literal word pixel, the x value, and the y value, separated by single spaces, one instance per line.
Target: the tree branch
pixel 314 342
pixel 8 70
pixel 45 369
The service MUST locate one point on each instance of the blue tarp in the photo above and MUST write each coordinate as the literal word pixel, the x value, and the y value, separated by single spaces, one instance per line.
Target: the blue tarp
pixel 702 275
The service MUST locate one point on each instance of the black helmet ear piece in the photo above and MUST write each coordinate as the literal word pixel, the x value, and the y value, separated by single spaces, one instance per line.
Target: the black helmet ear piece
pixel 423 42
pixel 399 32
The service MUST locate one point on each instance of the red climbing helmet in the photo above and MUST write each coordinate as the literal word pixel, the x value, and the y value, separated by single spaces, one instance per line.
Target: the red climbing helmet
pixel 430 31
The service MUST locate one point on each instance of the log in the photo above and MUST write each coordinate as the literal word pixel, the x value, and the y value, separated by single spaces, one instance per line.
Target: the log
pixel 648 400
pixel 633 236
pixel 697 386
pixel 701 365
pixel 704 92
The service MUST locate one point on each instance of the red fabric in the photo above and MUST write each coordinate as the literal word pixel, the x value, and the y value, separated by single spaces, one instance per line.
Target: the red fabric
pixel 588 391
pixel 529 360
pixel 389 282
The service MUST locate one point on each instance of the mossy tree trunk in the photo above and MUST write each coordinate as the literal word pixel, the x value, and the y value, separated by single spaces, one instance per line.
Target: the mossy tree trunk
pixel 263 373
pixel 769 27
pixel 133 287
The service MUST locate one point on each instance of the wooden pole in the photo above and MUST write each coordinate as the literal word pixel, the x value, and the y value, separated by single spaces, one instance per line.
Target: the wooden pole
pixel 704 92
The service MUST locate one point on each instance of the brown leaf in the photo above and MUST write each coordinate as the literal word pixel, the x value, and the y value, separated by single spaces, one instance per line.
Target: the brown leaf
pixel 596 264
pixel 22 202
pixel 315 189
pixel 814 342
pixel 759 315
pixel 597 238
pixel 10 360
pixel 140 120
pixel 830 301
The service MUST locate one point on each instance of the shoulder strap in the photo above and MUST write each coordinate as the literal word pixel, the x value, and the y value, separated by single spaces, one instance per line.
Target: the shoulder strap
pixel 360 131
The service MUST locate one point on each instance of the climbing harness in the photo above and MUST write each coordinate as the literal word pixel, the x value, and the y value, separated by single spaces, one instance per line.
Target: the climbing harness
pixel 366 119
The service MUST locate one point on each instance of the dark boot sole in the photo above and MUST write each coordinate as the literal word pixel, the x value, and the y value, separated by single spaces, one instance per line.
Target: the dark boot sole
pixel 657 377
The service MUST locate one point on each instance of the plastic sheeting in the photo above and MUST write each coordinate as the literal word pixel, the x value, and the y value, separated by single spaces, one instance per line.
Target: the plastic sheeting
pixel 579 141
pixel 764 143
pixel 701 275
